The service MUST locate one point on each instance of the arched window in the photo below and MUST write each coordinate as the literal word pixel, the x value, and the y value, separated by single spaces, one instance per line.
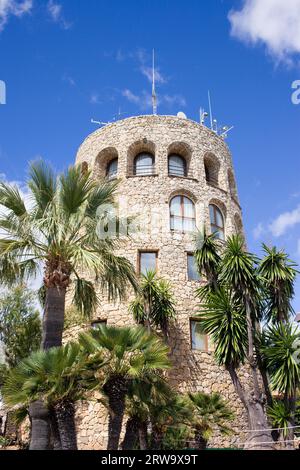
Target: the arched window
pixel 112 169
pixel 177 165
pixel 217 222
pixel 144 164
pixel 182 214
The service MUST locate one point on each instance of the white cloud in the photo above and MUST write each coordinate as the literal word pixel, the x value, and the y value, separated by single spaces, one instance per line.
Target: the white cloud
pixel 258 231
pixel 148 73
pixel 273 23
pixel 144 100
pixel 16 8
pixel 56 14
pixel 285 221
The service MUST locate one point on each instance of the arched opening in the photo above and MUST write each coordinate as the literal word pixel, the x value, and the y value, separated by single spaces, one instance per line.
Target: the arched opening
pixel 182 214
pixel 179 159
pixel 141 158
pixel 103 162
pixel 176 165
pixel 143 164
pixel 217 224
pixel 211 167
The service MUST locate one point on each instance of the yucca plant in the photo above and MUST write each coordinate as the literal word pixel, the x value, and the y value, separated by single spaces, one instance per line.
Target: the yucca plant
pixel 56 378
pixel 154 307
pixel 281 355
pixel 132 352
pixel 278 275
pixel 231 314
pixel 211 412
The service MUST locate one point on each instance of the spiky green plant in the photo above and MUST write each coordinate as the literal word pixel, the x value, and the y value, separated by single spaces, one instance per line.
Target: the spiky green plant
pixel 132 352
pixel 57 377
pixel 154 307
pixel 278 275
pixel 211 412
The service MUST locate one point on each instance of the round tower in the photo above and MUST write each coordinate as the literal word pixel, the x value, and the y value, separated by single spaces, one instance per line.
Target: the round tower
pixel 176 176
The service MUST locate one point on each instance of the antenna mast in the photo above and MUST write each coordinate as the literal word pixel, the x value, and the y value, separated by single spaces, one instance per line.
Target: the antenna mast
pixel 210 111
pixel 154 98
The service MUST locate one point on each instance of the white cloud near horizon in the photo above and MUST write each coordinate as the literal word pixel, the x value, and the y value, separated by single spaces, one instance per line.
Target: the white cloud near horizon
pixel 285 221
pixel 272 23
pixel 9 8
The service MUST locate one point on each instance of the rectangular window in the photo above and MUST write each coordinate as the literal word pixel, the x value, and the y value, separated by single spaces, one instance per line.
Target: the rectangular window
pixel 193 274
pixel 95 324
pixel 147 261
pixel 198 337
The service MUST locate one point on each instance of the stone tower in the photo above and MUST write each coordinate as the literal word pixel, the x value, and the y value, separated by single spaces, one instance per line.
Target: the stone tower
pixel 175 176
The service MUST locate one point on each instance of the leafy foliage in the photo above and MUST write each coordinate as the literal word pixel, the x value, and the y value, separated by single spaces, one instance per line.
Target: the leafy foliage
pixel 130 351
pixel 278 275
pixel 281 352
pixel 20 324
pixel 211 411
pixel 222 317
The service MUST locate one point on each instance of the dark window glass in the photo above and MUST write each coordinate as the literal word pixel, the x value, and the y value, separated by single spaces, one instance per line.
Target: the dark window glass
pixel 177 166
pixel 217 222
pixel 112 169
pixel 144 164
pixel 97 323
pixel 182 214
pixel 199 338
pixel 193 274
pixel 148 261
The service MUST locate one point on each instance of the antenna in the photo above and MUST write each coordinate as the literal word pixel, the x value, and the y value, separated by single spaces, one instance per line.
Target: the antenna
pixel 99 123
pixel 210 112
pixel 154 97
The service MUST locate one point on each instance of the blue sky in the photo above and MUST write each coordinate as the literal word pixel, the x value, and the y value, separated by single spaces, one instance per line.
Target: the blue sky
pixel 65 62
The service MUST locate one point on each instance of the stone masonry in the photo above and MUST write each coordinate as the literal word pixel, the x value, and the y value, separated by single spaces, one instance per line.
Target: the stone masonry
pixel 147 198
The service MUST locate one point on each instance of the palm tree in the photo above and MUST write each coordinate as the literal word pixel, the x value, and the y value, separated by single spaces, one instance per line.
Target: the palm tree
pixel 132 352
pixel 58 378
pixel 207 256
pixel 154 307
pixel 210 412
pixel 143 393
pixel 278 275
pixel 281 351
pixel 234 310
pixel 173 413
pixel 57 230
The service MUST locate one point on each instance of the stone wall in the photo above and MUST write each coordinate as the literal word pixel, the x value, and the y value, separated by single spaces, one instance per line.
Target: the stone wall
pixel 147 198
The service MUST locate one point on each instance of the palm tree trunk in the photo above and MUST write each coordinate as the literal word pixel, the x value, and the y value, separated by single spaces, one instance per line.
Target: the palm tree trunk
pixel 131 434
pixel 65 416
pixel 53 320
pixel 260 439
pixel 115 389
pixel 156 438
pixel 201 443
pixel 55 442
pixel 40 429
pixel 290 403
pixel 143 440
